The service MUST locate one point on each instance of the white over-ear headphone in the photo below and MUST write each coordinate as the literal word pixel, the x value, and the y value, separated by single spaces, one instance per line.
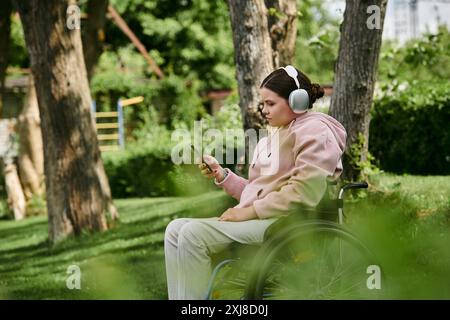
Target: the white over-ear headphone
pixel 299 98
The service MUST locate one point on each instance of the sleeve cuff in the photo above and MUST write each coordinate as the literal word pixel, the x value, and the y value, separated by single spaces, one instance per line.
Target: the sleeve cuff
pixel 224 180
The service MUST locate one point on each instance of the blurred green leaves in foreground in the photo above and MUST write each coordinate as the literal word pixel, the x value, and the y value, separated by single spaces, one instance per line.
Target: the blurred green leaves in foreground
pixel 403 219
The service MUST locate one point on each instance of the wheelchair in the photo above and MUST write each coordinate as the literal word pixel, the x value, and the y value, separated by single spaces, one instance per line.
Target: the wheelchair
pixel 307 254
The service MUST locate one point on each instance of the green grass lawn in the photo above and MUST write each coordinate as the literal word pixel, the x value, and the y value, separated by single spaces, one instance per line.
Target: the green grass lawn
pixel 126 262
pixel 405 220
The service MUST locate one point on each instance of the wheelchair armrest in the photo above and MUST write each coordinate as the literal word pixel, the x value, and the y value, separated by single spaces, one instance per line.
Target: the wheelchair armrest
pixel 352 185
pixel 356 185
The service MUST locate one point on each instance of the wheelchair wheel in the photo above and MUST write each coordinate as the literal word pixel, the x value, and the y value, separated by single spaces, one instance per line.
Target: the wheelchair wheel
pixel 230 282
pixel 311 260
pixel 232 269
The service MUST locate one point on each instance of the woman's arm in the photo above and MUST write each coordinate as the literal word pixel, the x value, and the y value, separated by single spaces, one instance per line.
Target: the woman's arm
pixel 232 184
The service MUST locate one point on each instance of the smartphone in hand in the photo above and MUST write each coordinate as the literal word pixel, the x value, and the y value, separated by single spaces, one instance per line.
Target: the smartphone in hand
pixel 201 157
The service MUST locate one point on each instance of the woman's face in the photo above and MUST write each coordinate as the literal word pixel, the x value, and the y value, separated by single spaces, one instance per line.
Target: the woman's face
pixel 275 108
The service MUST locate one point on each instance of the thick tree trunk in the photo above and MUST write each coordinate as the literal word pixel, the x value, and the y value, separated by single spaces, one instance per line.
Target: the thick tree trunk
pixel 77 189
pixel 253 55
pixel 355 76
pixel 94 35
pixel 31 152
pixel 282 22
pixel 5 29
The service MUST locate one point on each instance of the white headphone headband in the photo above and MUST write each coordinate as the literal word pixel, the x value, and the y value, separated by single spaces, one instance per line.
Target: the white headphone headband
pixel 292 72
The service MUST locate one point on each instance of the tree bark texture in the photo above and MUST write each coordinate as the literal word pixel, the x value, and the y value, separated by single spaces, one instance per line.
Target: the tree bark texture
pixel 282 25
pixel 94 34
pixel 77 189
pixel 355 76
pixel 253 55
pixel 31 152
pixel 16 198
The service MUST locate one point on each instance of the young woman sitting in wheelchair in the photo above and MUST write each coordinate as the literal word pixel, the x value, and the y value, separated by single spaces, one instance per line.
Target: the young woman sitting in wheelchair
pixel 289 167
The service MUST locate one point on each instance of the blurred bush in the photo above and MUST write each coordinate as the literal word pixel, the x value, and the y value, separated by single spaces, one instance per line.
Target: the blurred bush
pixel 144 172
pixel 409 130
pixel 145 167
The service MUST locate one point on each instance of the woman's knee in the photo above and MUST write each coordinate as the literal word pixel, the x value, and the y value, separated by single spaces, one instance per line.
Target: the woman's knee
pixel 192 233
pixel 174 227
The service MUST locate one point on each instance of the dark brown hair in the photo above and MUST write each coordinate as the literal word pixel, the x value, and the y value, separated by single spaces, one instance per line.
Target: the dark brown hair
pixel 281 83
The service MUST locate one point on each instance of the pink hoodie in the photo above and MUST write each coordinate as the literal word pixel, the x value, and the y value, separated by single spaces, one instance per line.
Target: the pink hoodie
pixel 310 150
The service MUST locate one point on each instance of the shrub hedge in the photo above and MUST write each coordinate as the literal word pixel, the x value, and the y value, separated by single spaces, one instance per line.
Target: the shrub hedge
pixel 410 130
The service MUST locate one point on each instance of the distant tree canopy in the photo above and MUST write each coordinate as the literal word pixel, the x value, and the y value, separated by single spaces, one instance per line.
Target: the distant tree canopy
pixel 184 36
pixel 423 59
pixel 317 41
pixel 191 41
pixel 192 38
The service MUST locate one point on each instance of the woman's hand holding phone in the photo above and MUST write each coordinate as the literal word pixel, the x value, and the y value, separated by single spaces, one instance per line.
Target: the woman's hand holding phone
pixel 216 169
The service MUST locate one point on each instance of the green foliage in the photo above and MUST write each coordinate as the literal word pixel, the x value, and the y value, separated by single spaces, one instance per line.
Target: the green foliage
pixel 138 175
pixel 142 169
pixel 366 167
pixel 405 220
pixel 228 135
pixel 126 262
pixel 317 41
pixel 145 169
pixel 228 118
pixel 177 100
pixel 275 13
pixel 37 205
pixel 419 59
pixel 412 248
pixel 4 209
pixel 409 129
pixel 18 55
pixel 119 72
pixel 190 38
pixel 124 75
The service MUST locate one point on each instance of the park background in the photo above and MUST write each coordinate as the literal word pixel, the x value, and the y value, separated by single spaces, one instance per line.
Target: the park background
pixel 178 60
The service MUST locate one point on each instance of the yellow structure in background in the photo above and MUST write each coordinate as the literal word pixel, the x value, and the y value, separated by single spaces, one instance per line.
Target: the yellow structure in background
pixel 117 125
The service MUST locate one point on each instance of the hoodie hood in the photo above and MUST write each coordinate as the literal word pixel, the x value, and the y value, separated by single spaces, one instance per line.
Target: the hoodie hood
pixel 335 126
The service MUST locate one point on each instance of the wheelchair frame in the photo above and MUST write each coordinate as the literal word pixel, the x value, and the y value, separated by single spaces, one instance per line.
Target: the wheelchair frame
pixel 307 226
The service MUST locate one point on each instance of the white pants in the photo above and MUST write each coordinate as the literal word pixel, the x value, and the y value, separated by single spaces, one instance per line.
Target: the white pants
pixel 188 244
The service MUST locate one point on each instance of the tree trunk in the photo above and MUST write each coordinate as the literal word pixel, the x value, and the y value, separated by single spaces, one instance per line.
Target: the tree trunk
pixel 5 28
pixel 31 152
pixel 16 198
pixel 77 189
pixel 8 154
pixel 355 76
pixel 253 55
pixel 282 24
pixel 94 34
